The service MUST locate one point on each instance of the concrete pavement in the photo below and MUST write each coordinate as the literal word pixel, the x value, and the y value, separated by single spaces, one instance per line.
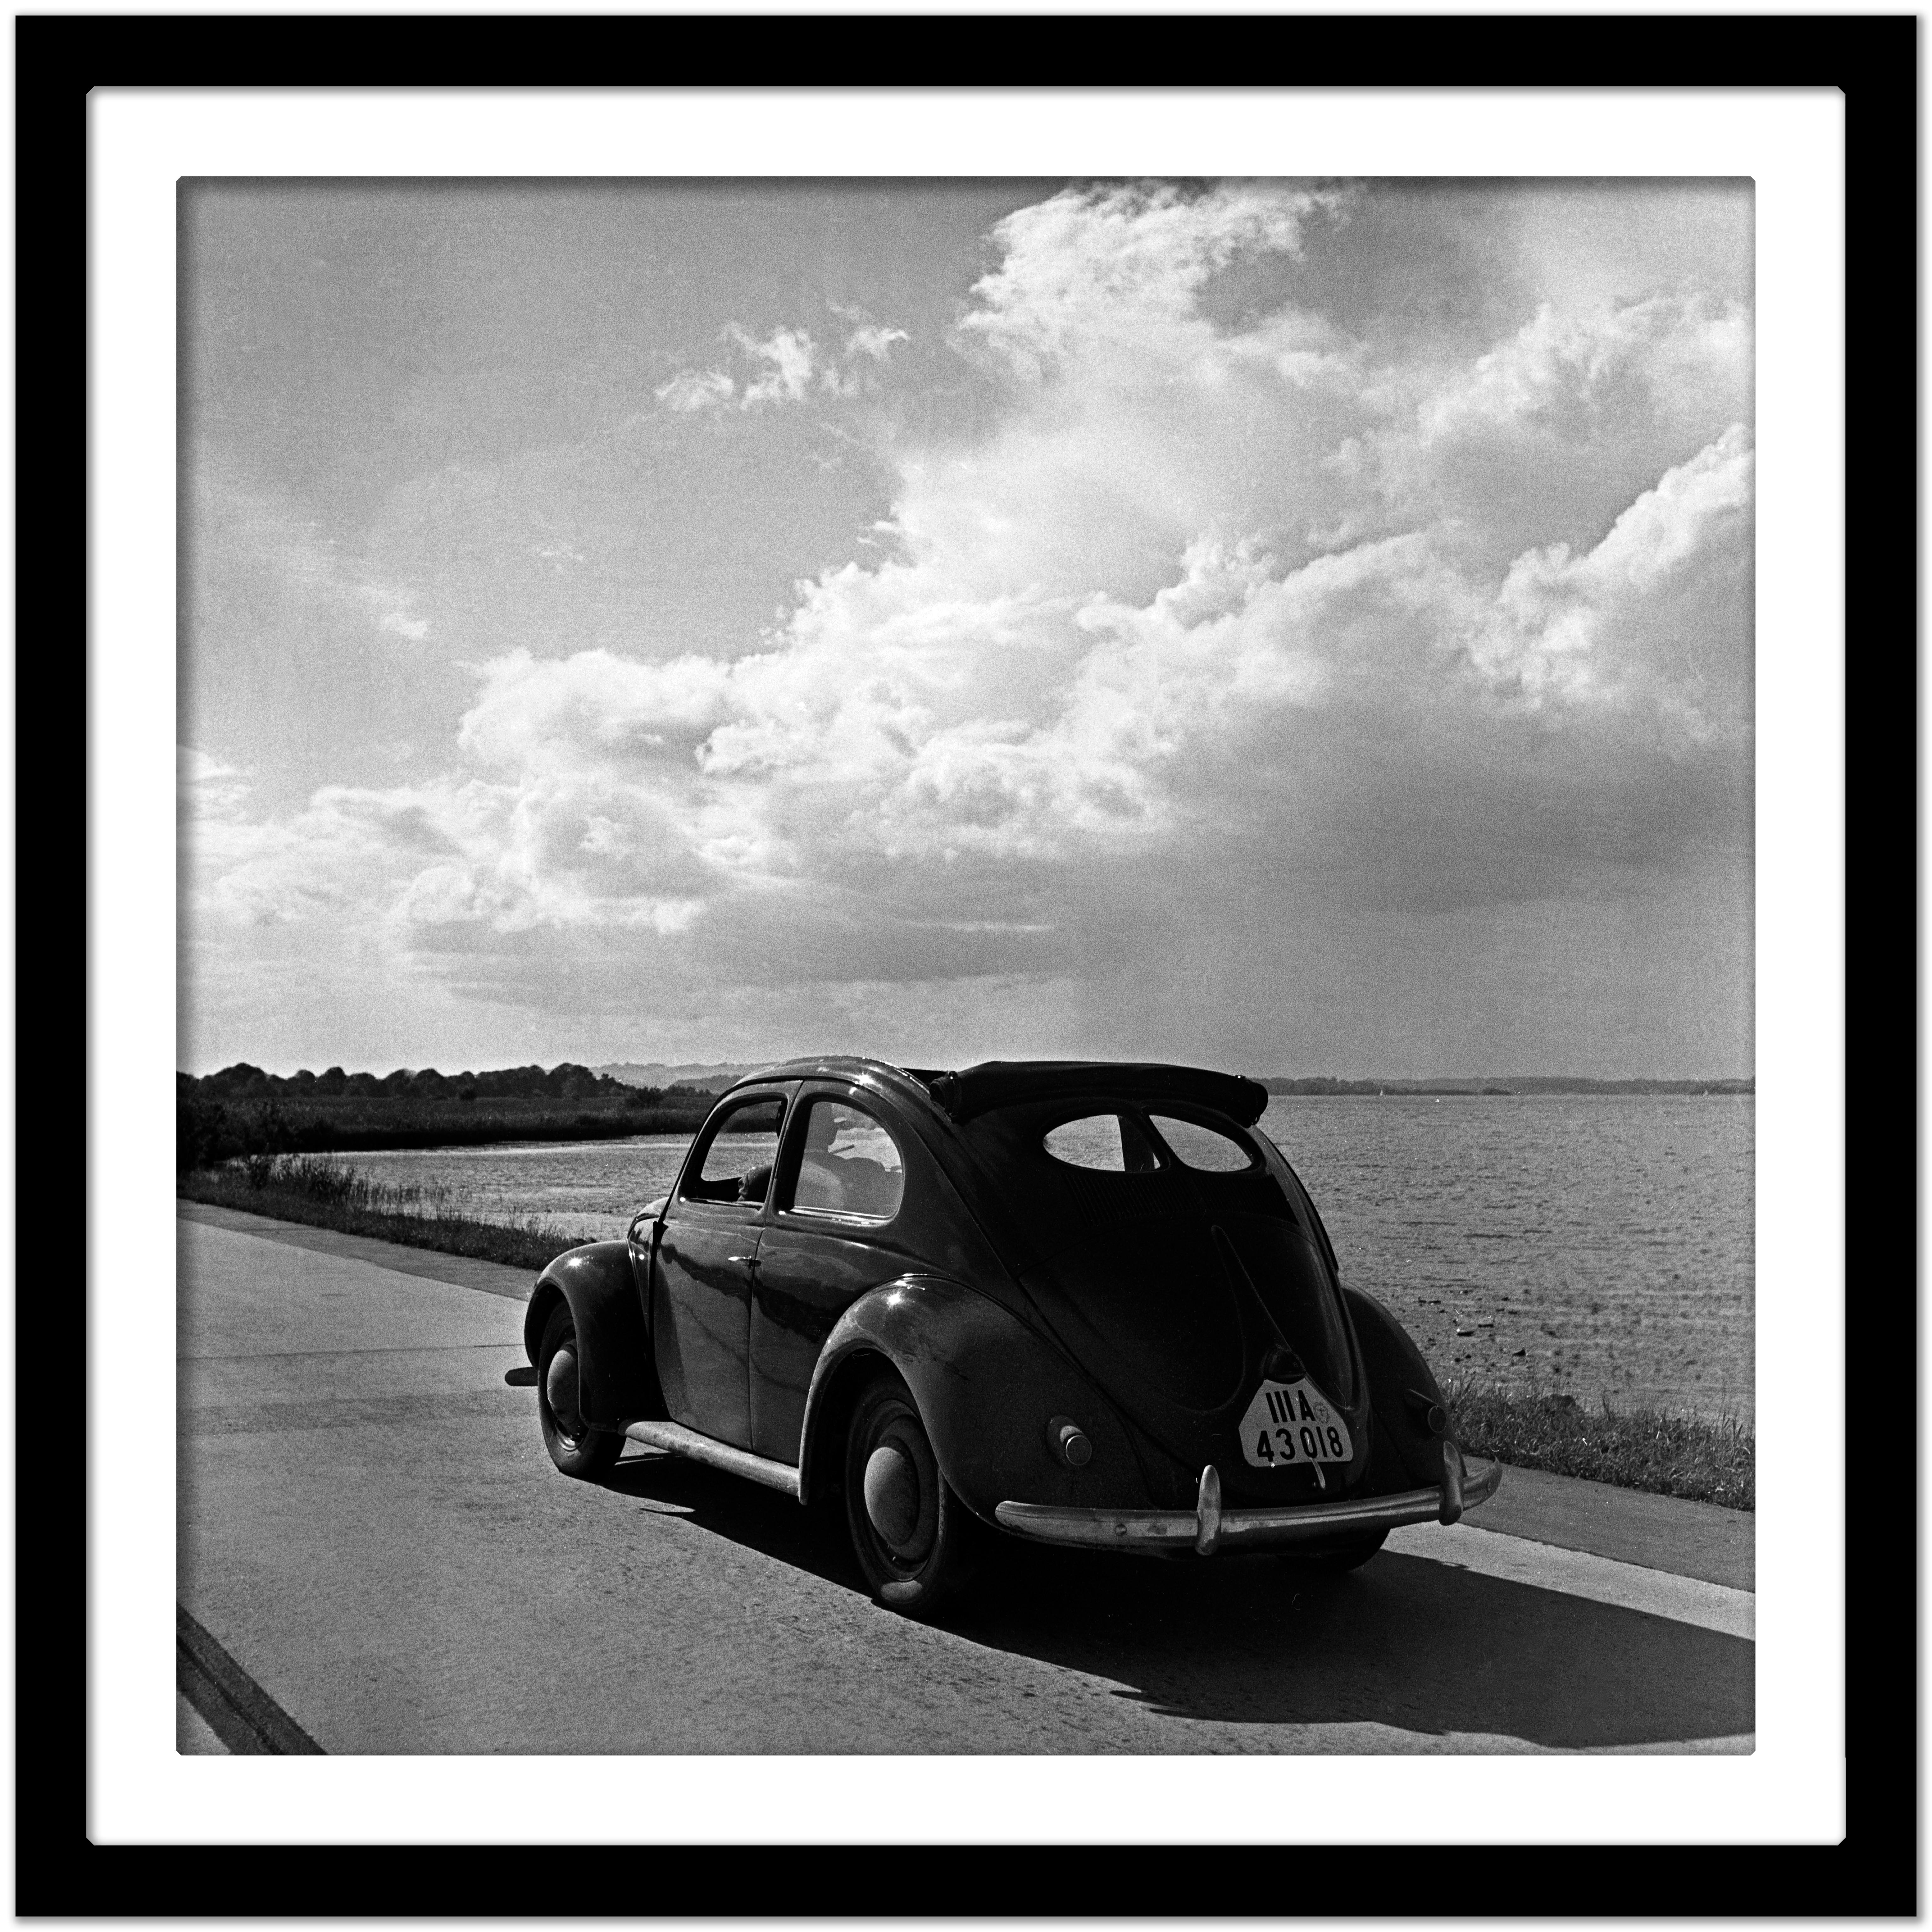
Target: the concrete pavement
pixel 373 1543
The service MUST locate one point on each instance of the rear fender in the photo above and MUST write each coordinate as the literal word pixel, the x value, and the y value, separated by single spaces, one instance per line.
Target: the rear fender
pixel 1402 1390
pixel 617 1379
pixel 988 1388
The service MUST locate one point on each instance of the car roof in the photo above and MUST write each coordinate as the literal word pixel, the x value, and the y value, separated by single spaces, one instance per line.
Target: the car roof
pixel 859 1071
pixel 973 1090
pixel 1000 1083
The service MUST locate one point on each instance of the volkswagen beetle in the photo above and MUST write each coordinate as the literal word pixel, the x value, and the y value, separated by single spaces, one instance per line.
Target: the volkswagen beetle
pixel 1081 1303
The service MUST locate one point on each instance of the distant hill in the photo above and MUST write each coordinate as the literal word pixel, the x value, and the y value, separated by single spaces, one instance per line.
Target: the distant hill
pixel 1530 1083
pixel 707 1076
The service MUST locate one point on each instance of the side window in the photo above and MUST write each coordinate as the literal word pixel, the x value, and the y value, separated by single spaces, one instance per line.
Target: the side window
pixel 737 1163
pixel 1114 1143
pixel 850 1165
pixel 1206 1149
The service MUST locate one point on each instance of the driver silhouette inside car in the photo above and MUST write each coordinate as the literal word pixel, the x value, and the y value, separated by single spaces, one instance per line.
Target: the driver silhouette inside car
pixel 821 1174
pixel 818 1173
pixel 844 1182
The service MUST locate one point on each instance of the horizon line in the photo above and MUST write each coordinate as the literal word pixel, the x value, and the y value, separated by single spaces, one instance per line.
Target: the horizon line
pixel 697 1065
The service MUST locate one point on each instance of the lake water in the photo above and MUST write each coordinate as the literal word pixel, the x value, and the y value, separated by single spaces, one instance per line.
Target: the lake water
pixel 1600 1245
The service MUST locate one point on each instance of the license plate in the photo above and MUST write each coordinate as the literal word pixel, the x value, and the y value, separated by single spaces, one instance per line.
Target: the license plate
pixel 1289 1422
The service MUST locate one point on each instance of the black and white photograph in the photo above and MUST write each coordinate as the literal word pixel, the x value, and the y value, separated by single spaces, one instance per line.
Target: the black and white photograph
pixel 966 966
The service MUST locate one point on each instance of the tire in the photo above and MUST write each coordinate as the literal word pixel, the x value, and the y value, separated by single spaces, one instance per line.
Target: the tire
pixel 918 1545
pixel 575 1447
pixel 1333 1559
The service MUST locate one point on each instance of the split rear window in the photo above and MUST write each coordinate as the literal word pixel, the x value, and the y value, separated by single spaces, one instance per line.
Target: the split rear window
pixel 1118 1143
pixel 1110 1143
pixel 1206 1149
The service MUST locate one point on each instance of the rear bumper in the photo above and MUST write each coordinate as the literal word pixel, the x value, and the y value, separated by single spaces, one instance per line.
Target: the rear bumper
pixel 1207 1527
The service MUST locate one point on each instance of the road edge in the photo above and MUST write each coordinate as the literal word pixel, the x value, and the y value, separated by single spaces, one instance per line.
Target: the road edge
pixel 230 1701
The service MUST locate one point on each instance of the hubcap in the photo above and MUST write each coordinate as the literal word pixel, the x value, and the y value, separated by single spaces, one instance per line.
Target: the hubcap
pixel 560 1385
pixel 900 1487
pixel 892 1496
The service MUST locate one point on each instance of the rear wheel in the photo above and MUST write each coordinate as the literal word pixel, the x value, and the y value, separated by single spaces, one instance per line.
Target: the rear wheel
pixel 575 1447
pixel 915 1541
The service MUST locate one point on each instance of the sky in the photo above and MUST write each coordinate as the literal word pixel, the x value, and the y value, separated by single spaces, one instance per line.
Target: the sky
pixel 1296 627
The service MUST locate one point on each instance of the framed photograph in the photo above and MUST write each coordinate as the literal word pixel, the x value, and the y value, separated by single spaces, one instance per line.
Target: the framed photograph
pixel 918 828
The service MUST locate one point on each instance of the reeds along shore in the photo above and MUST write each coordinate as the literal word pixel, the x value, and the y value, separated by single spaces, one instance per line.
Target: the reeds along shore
pixel 1698 1459
pixel 325 1194
pixel 1690 1456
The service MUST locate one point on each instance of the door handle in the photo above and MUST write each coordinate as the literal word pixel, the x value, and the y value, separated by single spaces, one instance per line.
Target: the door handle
pixel 747 1260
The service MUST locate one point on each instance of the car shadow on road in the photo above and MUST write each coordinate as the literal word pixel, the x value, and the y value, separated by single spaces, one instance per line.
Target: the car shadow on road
pixel 728 1506
pixel 1419 1646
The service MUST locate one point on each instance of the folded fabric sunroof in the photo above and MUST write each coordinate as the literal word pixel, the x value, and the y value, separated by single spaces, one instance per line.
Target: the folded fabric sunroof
pixel 1000 1083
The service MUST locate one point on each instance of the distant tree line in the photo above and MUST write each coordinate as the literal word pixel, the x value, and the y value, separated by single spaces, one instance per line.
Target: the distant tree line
pixel 565 1082
pixel 242 1111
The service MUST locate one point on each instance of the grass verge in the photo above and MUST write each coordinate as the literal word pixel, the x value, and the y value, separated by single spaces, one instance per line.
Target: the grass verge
pixel 326 1194
pixel 1703 1461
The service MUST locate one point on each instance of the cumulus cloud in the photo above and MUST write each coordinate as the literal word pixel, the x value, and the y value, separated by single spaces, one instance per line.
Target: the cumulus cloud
pixel 782 368
pixel 691 390
pixel 1586 628
pixel 1220 593
pixel 206 787
pixel 197 768
pixel 1123 268
pixel 786 366
pixel 1564 374
pixel 784 361
pixel 874 339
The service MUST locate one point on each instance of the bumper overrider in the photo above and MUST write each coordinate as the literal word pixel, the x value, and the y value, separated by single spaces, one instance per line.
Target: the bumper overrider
pixel 1207 1527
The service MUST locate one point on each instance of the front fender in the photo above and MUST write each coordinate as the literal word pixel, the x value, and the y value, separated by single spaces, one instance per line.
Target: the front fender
pixel 617 1379
pixel 987 1387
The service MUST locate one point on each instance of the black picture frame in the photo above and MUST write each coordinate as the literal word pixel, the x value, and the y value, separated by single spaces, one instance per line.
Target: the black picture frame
pixel 59 1873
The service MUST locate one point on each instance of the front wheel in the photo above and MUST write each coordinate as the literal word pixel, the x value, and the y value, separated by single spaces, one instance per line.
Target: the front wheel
pixel 915 1541
pixel 575 1447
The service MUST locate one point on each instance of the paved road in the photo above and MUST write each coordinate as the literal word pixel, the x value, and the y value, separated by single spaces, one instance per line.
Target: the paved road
pixel 375 1556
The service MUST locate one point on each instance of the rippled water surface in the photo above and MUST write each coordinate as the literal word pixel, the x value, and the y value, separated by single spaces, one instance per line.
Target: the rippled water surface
pixel 1601 1245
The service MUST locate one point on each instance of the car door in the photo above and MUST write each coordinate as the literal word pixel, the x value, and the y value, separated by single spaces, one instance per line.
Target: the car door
pixel 830 1237
pixel 706 1259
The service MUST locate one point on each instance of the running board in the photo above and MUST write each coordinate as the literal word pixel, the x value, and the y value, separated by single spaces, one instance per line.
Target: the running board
pixel 679 1441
